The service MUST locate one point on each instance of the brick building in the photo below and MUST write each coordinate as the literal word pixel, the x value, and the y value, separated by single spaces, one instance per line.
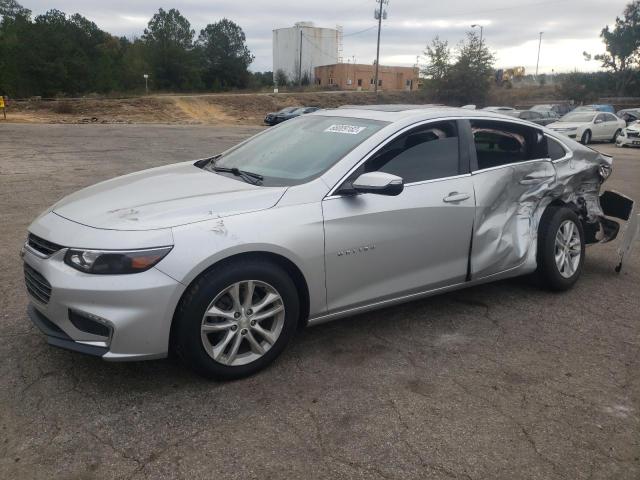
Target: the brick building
pixel 348 76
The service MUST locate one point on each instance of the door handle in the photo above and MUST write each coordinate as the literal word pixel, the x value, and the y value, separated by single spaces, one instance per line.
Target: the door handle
pixel 455 197
pixel 534 178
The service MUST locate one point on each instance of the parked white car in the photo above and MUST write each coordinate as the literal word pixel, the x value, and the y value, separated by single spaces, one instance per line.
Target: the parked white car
pixel 630 136
pixel 589 126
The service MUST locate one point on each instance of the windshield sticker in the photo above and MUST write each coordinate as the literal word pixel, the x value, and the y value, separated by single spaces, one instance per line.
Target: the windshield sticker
pixel 348 129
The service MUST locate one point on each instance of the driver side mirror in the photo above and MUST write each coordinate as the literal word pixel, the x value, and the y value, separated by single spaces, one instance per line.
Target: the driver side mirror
pixel 379 183
pixel 598 120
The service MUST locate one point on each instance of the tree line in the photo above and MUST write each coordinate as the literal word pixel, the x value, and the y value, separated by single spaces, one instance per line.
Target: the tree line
pixel 58 54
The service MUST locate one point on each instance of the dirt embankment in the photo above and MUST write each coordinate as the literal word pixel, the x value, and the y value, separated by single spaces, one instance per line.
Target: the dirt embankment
pixel 219 109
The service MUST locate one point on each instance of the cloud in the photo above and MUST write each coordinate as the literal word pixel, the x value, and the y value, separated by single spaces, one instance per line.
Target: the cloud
pixel 510 28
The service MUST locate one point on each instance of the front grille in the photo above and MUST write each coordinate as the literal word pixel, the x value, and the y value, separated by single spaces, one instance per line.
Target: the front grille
pixel 37 286
pixel 633 134
pixel 41 245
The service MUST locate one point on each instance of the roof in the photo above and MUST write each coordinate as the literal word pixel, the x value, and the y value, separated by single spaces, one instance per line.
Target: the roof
pixel 396 113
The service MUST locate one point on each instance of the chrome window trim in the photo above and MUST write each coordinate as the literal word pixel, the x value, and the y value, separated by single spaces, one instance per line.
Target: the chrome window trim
pixel 498 167
pixel 412 184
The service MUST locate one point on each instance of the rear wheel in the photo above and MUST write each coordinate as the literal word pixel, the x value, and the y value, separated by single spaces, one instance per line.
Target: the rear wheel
pixel 234 321
pixel 560 249
pixel 586 138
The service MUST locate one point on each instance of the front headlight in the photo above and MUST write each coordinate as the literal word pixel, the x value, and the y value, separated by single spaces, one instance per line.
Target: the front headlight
pixel 114 262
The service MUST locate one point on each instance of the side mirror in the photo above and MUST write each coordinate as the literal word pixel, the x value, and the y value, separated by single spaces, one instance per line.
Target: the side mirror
pixel 598 121
pixel 379 183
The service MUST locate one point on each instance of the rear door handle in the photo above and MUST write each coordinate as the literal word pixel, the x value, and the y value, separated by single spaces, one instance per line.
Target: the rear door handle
pixel 455 197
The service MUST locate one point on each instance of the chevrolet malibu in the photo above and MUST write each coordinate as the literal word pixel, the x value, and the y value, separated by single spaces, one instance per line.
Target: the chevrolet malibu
pixel 331 214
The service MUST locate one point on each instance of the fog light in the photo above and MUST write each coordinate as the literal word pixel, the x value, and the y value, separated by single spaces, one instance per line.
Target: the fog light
pixel 85 322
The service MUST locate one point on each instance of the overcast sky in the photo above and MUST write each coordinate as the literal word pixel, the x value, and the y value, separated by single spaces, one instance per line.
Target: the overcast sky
pixel 510 26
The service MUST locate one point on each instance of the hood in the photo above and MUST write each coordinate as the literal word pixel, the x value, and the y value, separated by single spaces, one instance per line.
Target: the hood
pixel 164 197
pixel 633 127
pixel 566 125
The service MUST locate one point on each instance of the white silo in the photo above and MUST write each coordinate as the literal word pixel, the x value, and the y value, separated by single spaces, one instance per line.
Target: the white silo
pixel 299 49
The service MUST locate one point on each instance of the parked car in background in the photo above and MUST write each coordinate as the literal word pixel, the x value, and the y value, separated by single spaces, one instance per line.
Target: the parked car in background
pixel 560 109
pixel 541 118
pixel 630 136
pixel 272 118
pixel 595 108
pixel 504 110
pixel 587 126
pixel 283 117
pixel 222 260
pixel 629 115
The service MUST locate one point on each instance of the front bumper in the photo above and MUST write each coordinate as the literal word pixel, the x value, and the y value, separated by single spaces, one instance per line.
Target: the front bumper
pixel 135 311
pixel 627 141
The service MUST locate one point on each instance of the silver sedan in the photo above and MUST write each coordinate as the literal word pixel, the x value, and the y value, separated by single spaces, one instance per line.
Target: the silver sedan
pixel 338 212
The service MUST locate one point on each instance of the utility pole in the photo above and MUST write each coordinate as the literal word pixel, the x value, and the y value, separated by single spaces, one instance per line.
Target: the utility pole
pixel 538 61
pixel 300 61
pixel 379 14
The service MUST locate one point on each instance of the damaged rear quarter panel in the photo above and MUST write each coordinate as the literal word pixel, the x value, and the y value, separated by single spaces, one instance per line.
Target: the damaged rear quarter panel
pixel 512 199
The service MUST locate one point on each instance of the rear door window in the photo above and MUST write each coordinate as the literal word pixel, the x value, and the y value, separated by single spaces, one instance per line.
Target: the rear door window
pixel 501 143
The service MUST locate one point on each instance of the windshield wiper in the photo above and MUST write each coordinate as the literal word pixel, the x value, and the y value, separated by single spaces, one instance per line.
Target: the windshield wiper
pixel 249 177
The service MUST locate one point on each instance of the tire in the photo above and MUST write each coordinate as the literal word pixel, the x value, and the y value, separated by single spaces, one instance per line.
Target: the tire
pixel 549 274
pixel 615 135
pixel 586 138
pixel 271 334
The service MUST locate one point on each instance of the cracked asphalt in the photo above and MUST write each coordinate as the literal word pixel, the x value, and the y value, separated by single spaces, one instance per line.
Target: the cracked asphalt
pixel 501 381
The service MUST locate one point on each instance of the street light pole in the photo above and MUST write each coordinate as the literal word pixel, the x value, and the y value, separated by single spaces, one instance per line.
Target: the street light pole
pixel 146 83
pixel 481 31
pixel 538 61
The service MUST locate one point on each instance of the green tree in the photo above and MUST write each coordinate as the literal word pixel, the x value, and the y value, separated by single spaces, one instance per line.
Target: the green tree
pixel 439 60
pixel 471 76
pixel 10 9
pixel 622 43
pixel 225 55
pixel 281 79
pixel 170 51
pixel 466 80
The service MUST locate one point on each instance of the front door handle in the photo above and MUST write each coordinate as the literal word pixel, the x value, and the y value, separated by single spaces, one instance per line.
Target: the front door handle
pixel 455 197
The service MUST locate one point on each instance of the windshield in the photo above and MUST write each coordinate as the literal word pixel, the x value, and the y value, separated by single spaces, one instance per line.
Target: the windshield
pixel 577 117
pixel 299 150
pixel 288 110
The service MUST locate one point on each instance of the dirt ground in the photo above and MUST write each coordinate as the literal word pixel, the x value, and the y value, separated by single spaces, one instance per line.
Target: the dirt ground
pixel 501 381
pixel 227 108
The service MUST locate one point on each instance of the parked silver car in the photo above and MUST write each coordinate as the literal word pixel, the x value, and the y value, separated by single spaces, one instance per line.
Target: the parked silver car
pixel 330 214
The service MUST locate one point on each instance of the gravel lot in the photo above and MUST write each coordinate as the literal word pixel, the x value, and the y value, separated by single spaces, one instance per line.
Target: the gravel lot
pixel 501 381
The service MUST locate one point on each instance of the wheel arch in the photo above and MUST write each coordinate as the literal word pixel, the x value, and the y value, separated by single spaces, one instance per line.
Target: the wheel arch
pixel 287 264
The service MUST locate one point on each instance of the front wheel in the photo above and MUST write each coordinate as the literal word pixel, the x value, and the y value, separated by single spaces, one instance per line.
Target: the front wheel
pixel 561 249
pixel 586 138
pixel 235 320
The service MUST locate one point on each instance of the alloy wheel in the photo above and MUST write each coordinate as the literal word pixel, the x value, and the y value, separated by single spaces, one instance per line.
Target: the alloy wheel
pixel 568 249
pixel 242 322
